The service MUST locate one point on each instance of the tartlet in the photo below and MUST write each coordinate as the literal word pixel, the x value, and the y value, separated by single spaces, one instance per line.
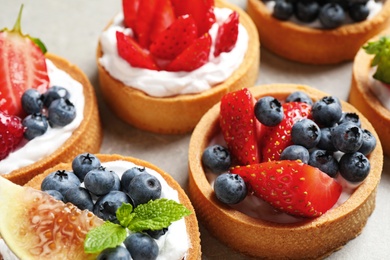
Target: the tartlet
pixel 309 239
pixel 87 137
pixel 178 114
pixel 314 46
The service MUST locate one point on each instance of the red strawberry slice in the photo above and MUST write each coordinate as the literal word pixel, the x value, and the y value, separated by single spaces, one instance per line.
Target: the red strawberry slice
pixel 292 186
pixel 164 17
pixel 239 126
pixel 11 133
pixel 144 22
pixel 277 138
pixel 227 34
pixel 195 56
pixel 175 38
pixel 130 51
pixel 22 66
pixel 130 9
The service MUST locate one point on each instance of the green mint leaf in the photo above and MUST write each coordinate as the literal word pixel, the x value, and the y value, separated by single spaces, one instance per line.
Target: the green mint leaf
pixel 124 214
pixel 381 50
pixel 108 235
pixel 156 215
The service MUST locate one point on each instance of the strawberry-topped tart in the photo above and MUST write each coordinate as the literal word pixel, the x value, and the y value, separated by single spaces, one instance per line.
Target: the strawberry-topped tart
pixel 318 31
pixel 163 63
pixel 290 170
pixel 48 108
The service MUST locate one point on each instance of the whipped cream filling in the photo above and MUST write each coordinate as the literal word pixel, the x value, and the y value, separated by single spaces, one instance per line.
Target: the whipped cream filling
pixel 42 146
pixel 381 91
pixel 166 83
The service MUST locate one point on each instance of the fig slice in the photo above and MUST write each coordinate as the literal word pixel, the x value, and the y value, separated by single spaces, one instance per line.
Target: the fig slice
pixel 35 225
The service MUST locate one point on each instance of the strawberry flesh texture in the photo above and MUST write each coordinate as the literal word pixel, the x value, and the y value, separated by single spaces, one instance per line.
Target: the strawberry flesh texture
pixel 239 126
pixel 11 133
pixel 292 186
pixel 227 35
pixel 130 9
pixel 277 138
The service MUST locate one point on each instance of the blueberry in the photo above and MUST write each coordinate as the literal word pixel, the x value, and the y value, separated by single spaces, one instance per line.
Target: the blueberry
pixel 299 96
pixel 61 181
pixel 141 246
pixel 358 12
pixel 156 234
pixel 53 93
pixel 83 163
pixel 31 101
pixel 35 125
pixel 369 143
pixel 269 111
pixel 325 161
pixel 80 197
pixel 306 133
pixel 106 206
pixel 283 10
pixel 117 253
pixel 61 112
pixel 295 152
pixel 230 188
pixel 55 194
pixel 143 188
pixel 331 15
pixel 325 142
pixel 347 137
pixel 354 167
pixel 99 181
pixel 117 183
pixel 216 158
pixel 327 111
pixel 307 11
pixel 350 117
pixel 128 175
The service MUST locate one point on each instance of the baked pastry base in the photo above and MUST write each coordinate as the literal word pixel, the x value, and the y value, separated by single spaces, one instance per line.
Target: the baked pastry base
pixel 178 114
pixel 314 46
pixel 87 137
pixel 194 253
pixel 309 239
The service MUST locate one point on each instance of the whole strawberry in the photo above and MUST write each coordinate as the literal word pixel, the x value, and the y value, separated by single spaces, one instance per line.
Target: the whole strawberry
pixel 11 133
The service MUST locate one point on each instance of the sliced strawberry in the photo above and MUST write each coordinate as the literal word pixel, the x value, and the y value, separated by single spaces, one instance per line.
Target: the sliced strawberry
pixel 164 17
pixel 131 52
pixel 144 22
pixel 130 9
pixel 202 11
pixel 175 38
pixel 292 186
pixel 22 66
pixel 11 133
pixel 227 35
pixel 277 138
pixel 239 126
pixel 195 56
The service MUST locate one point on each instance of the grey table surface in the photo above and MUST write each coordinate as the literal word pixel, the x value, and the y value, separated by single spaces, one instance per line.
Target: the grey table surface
pixel 71 28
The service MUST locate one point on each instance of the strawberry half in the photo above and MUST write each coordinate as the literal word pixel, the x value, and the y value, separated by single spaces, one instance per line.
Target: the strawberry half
pixel 11 133
pixel 22 66
pixel 164 17
pixel 130 9
pixel 130 51
pixel 277 138
pixel 292 186
pixel 239 126
pixel 227 35
pixel 193 57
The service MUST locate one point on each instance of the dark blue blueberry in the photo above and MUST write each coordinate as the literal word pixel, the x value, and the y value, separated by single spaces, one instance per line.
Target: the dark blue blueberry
pixel 325 161
pixel 141 246
pixel 117 183
pixel 299 96
pixel 369 143
pixel 80 197
pixel 128 175
pixel 53 93
pixel 107 205
pixel 283 10
pixel 306 133
pixel 117 253
pixel 216 158
pixel 99 181
pixel 156 234
pixel 83 163
pixel 61 181
pixel 230 188
pixel 325 142
pixel 35 125
pixel 55 194
pixel 331 15
pixel 295 152
pixel 31 101
pixel 307 11
pixel 347 137
pixel 326 111
pixel 143 188
pixel 350 117
pixel 354 167
pixel 269 111
pixel 61 112
pixel 358 12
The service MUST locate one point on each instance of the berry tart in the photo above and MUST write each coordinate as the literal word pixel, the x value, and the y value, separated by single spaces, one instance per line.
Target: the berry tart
pixel 48 108
pixel 161 72
pixel 292 171
pixel 370 86
pixel 318 31
pixel 147 214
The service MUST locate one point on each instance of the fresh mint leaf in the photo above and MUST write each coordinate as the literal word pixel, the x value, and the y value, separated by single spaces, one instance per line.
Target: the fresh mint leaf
pixel 381 50
pixel 124 214
pixel 108 235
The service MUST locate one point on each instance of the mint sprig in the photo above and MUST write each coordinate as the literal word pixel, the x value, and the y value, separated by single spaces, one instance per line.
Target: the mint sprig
pixel 381 50
pixel 154 215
